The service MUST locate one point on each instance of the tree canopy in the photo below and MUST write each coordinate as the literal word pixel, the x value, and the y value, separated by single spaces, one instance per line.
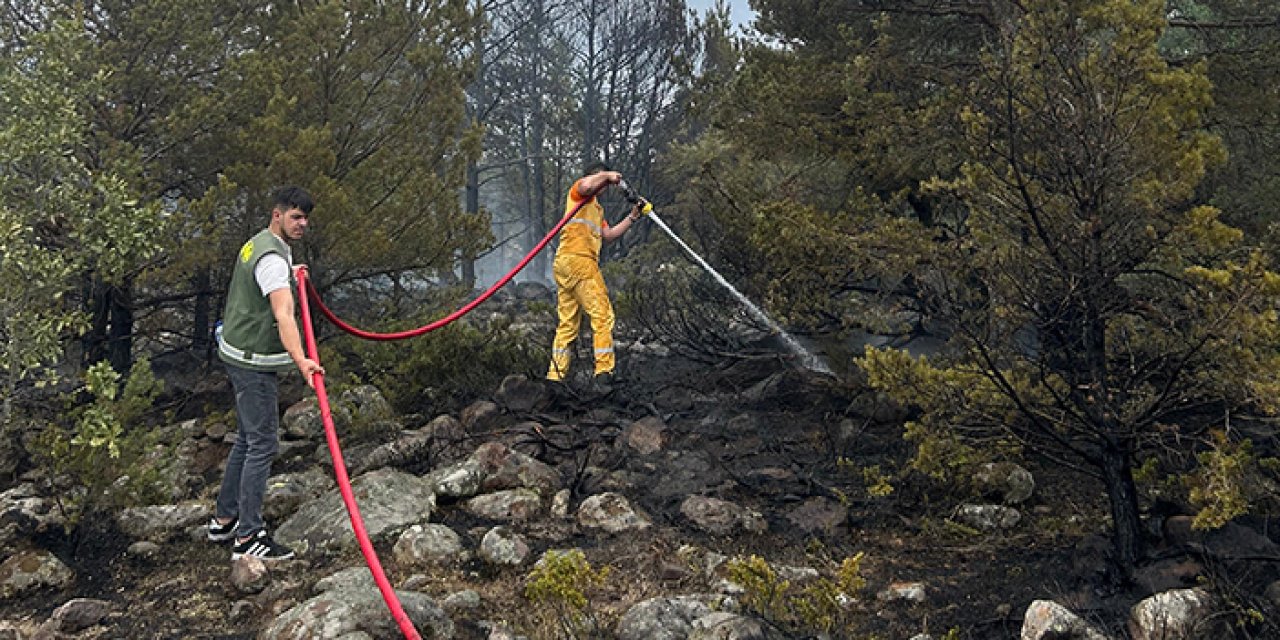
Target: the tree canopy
pixel 1074 198
pixel 1039 184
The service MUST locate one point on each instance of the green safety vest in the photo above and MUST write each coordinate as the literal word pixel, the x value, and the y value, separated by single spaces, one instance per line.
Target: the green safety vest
pixel 248 336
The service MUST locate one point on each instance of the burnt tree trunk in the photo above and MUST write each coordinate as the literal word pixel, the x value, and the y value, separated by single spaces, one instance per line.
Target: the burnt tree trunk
pixel 1126 534
pixel 468 262
pixel 110 335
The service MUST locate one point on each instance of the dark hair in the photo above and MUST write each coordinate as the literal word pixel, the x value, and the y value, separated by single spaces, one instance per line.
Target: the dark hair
pixel 595 167
pixel 293 198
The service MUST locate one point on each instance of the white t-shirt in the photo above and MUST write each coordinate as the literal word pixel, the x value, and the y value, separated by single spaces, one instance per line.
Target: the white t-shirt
pixel 271 272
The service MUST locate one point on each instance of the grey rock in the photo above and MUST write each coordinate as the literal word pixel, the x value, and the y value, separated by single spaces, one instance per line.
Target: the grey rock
pixel 662 618
pixel 721 517
pixel 611 512
pixel 502 547
pixel 987 517
pixel 302 420
pixel 510 505
pixel 722 625
pixel 250 575
pixel 159 523
pixel 460 480
pixel 79 614
pixel 1180 613
pixel 428 544
pixel 358 609
pixel 25 513
pixel 818 514
pixel 481 416
pixel 30 571
pixel 1006 482
pixel 466 600
pixel 1048 620
pixel 504 468
pixel 646 435
pixel 389 501
pixel 521 395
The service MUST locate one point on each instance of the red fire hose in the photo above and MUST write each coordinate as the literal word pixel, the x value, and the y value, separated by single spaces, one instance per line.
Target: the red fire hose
pixel 411 333
pixel 305 292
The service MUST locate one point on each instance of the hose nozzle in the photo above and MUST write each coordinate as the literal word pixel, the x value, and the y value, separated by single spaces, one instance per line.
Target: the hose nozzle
pixel 629 193
pixel 634 198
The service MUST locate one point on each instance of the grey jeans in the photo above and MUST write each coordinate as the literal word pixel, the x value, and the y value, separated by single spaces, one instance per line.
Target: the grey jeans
pixel 249 464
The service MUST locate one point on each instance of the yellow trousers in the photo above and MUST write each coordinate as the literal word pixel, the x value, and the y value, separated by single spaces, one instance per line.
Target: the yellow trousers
pixel 580 289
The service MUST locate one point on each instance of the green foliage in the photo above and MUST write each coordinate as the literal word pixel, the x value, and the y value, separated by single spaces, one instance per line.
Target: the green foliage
pixel 60 216
pixel 1220 487
pixel 558 586
pixel 1239 61
pixel 443 369
pixel 1024 181
pixel 764 593
pixel 824 605
pixel 820 606
pixel 376 130
pixel 105 459
pixel 878 484
pixel 1090 300
pixel 952 400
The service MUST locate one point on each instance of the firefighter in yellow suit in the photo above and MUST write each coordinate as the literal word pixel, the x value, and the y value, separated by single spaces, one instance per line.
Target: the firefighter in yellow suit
pixel 579 284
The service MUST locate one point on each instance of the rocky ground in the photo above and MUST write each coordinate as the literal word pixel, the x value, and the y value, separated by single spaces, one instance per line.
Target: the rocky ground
pixel 665 479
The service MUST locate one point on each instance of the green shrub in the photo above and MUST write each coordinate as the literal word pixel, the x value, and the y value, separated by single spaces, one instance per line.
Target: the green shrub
pixel 818 607
pixel 764 593
pixel 1219 487
pixel 443 369
pixel 558 585
pixel 103 459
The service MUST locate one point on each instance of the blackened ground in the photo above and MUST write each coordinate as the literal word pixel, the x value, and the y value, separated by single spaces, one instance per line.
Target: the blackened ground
pixel 725 423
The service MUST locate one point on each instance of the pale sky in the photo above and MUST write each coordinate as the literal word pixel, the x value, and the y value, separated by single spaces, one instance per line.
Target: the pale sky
pixel 740 10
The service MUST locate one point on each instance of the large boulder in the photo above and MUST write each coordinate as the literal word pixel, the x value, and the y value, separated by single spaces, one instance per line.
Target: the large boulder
pixel 1048 620
pixel 389 501
pixel 29 571
pixel 662 618
pixel 350 605
pixel 521 395
pixel 1180 613
pixel 1004 482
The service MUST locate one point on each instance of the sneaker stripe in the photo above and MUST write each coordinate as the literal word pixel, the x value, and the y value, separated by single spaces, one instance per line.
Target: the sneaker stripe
pixel 261 546
pixel 218 532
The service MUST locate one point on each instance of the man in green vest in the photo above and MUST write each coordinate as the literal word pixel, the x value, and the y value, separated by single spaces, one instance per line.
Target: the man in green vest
pixel 258 338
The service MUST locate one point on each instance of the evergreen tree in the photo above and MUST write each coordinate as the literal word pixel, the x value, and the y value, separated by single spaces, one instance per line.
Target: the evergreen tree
pixel 60 216
pixel 1025 180
pixel 1096 311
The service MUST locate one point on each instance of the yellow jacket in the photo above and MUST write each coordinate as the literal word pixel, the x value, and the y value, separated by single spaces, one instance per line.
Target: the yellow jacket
pixel 583 235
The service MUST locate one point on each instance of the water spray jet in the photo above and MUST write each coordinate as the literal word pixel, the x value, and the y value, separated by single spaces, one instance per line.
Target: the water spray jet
pixel 807 359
